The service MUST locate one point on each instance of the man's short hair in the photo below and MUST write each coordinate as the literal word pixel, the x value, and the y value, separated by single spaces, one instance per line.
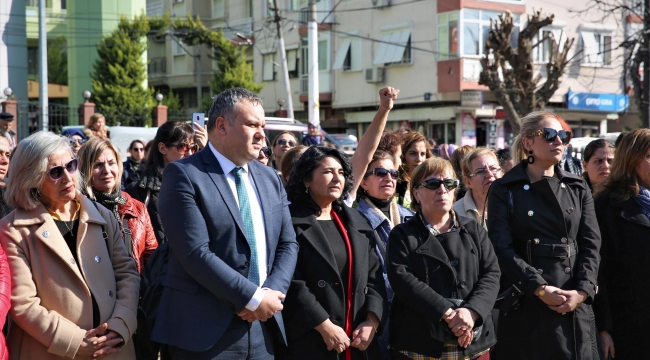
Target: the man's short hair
pixel 223 105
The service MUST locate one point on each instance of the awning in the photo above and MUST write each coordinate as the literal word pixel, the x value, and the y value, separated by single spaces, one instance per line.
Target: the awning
pixel 391 49
pixel 341 54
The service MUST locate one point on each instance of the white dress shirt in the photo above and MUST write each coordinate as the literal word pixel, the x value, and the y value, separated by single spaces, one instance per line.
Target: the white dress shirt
pixel 258 219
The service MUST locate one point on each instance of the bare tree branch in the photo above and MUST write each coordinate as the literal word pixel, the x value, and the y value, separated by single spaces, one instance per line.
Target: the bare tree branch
pixel 510 73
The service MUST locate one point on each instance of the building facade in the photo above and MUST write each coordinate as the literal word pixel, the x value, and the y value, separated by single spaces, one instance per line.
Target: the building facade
pixel 430 50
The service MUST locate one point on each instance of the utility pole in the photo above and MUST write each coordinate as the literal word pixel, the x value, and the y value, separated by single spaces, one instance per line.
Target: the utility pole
pixel 42 70
pixel 645 106
pixel 312 40
pixel 197 67
pixel 283 58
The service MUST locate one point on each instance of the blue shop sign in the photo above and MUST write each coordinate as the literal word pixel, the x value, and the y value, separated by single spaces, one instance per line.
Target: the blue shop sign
pixel 597 102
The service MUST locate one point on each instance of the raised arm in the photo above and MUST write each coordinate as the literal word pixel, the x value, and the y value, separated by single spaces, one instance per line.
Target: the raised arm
pixel 369 141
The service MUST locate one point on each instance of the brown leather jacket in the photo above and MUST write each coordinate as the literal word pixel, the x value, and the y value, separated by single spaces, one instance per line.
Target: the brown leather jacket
pixel 143 239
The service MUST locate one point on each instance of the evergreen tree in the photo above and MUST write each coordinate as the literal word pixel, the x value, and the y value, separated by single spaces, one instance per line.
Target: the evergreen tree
pixel 57 61
pixel 119 74
pixel 173 102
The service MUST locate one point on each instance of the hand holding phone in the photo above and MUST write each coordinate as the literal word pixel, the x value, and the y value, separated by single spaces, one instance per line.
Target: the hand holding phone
pixel 199 118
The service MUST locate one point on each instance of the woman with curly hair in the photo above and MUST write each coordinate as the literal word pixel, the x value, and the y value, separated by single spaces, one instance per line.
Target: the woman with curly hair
pixel 415 150
pixel 337 301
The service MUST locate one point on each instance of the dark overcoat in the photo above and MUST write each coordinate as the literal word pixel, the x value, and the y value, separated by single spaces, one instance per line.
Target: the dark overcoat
pixel 544 233
pixel 621 305
pixel 317 292
pixel 459 262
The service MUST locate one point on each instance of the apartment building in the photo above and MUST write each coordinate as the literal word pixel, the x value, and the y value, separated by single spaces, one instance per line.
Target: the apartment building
pixel 428 49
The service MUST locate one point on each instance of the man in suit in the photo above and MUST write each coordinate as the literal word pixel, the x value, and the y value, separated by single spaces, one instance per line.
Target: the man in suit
pixel 232 246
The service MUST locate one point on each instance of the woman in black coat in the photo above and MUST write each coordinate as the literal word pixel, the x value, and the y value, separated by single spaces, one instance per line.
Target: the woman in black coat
pixel 336 303
pixel 544 231
pixel 623 212
pixel 433 257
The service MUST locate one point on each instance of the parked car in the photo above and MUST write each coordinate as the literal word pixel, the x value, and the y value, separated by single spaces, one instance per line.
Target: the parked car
pixel 275 125
pixel 344 142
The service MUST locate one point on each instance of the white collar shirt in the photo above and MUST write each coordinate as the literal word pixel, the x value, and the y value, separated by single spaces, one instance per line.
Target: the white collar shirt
pixel 258 217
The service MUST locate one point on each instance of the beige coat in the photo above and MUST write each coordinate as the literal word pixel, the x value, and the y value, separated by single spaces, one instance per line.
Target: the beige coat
pixel 51 306
pixel 466 207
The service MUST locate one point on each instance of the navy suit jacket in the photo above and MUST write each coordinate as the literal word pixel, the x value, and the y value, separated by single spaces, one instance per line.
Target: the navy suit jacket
pixel 207 283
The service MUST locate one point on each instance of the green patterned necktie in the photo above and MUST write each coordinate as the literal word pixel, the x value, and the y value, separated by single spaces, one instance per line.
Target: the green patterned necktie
pixel 249 229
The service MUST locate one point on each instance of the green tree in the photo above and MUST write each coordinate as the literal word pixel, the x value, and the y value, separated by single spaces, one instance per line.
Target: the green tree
pixel 173 102
pixel 57 61
pixel 119 74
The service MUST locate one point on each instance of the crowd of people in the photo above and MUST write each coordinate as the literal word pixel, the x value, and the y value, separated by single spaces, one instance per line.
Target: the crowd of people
pixel 218 243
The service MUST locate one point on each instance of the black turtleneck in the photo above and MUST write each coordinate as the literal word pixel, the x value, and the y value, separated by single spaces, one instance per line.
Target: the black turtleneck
pixel 383 205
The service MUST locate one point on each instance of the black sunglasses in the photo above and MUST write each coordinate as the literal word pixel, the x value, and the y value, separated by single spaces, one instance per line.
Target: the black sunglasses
pixel 381 172
pixel 56 172
pixel 183 147
pixel 285 142
pixel 550 134
pixel 434 184
pixel 266 151
pixel 75 141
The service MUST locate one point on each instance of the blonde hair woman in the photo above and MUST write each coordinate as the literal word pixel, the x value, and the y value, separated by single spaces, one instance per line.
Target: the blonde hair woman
pixel 543 228
pixel 480 168
pixel 96 127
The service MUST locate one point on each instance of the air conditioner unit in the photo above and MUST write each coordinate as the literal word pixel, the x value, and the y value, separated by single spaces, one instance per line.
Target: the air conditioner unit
pixel 380 3
pixel 375 75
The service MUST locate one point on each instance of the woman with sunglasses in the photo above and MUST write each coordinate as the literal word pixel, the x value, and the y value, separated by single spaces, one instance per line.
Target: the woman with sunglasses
pixel 336 303
pixel 101 171
pixel 74 287
pixel 265 153
pixel 77 138
pixel 383 213
pixel 281 144
pixel 174 140
pixel 544 231
pixel 132 163
pixel 415 150
pixel 480 168
pixel 444 273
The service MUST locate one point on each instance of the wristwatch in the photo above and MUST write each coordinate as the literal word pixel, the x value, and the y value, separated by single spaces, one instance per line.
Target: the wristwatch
pixel 541 292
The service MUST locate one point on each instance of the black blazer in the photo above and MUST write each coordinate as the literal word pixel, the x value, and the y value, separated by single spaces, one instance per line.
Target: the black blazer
pixel 460 261
pixel 621 305
pixel 317 292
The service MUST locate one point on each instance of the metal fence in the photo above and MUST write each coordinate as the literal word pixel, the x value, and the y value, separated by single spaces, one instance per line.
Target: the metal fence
pixel 126 117
pixel 29 118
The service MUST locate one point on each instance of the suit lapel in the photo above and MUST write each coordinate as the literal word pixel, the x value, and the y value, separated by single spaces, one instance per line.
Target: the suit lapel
pixel 215 172
pixel 314 235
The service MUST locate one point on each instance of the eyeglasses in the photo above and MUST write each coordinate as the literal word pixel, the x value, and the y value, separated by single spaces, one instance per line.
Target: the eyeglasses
pixel 285 142
pixel 79 141
pixel 434 184
pixel 381 172
pixel 183 147
pixel 56 172
pixel 137 149
pixel 550 134
pixel 266 151
pixel 483 172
